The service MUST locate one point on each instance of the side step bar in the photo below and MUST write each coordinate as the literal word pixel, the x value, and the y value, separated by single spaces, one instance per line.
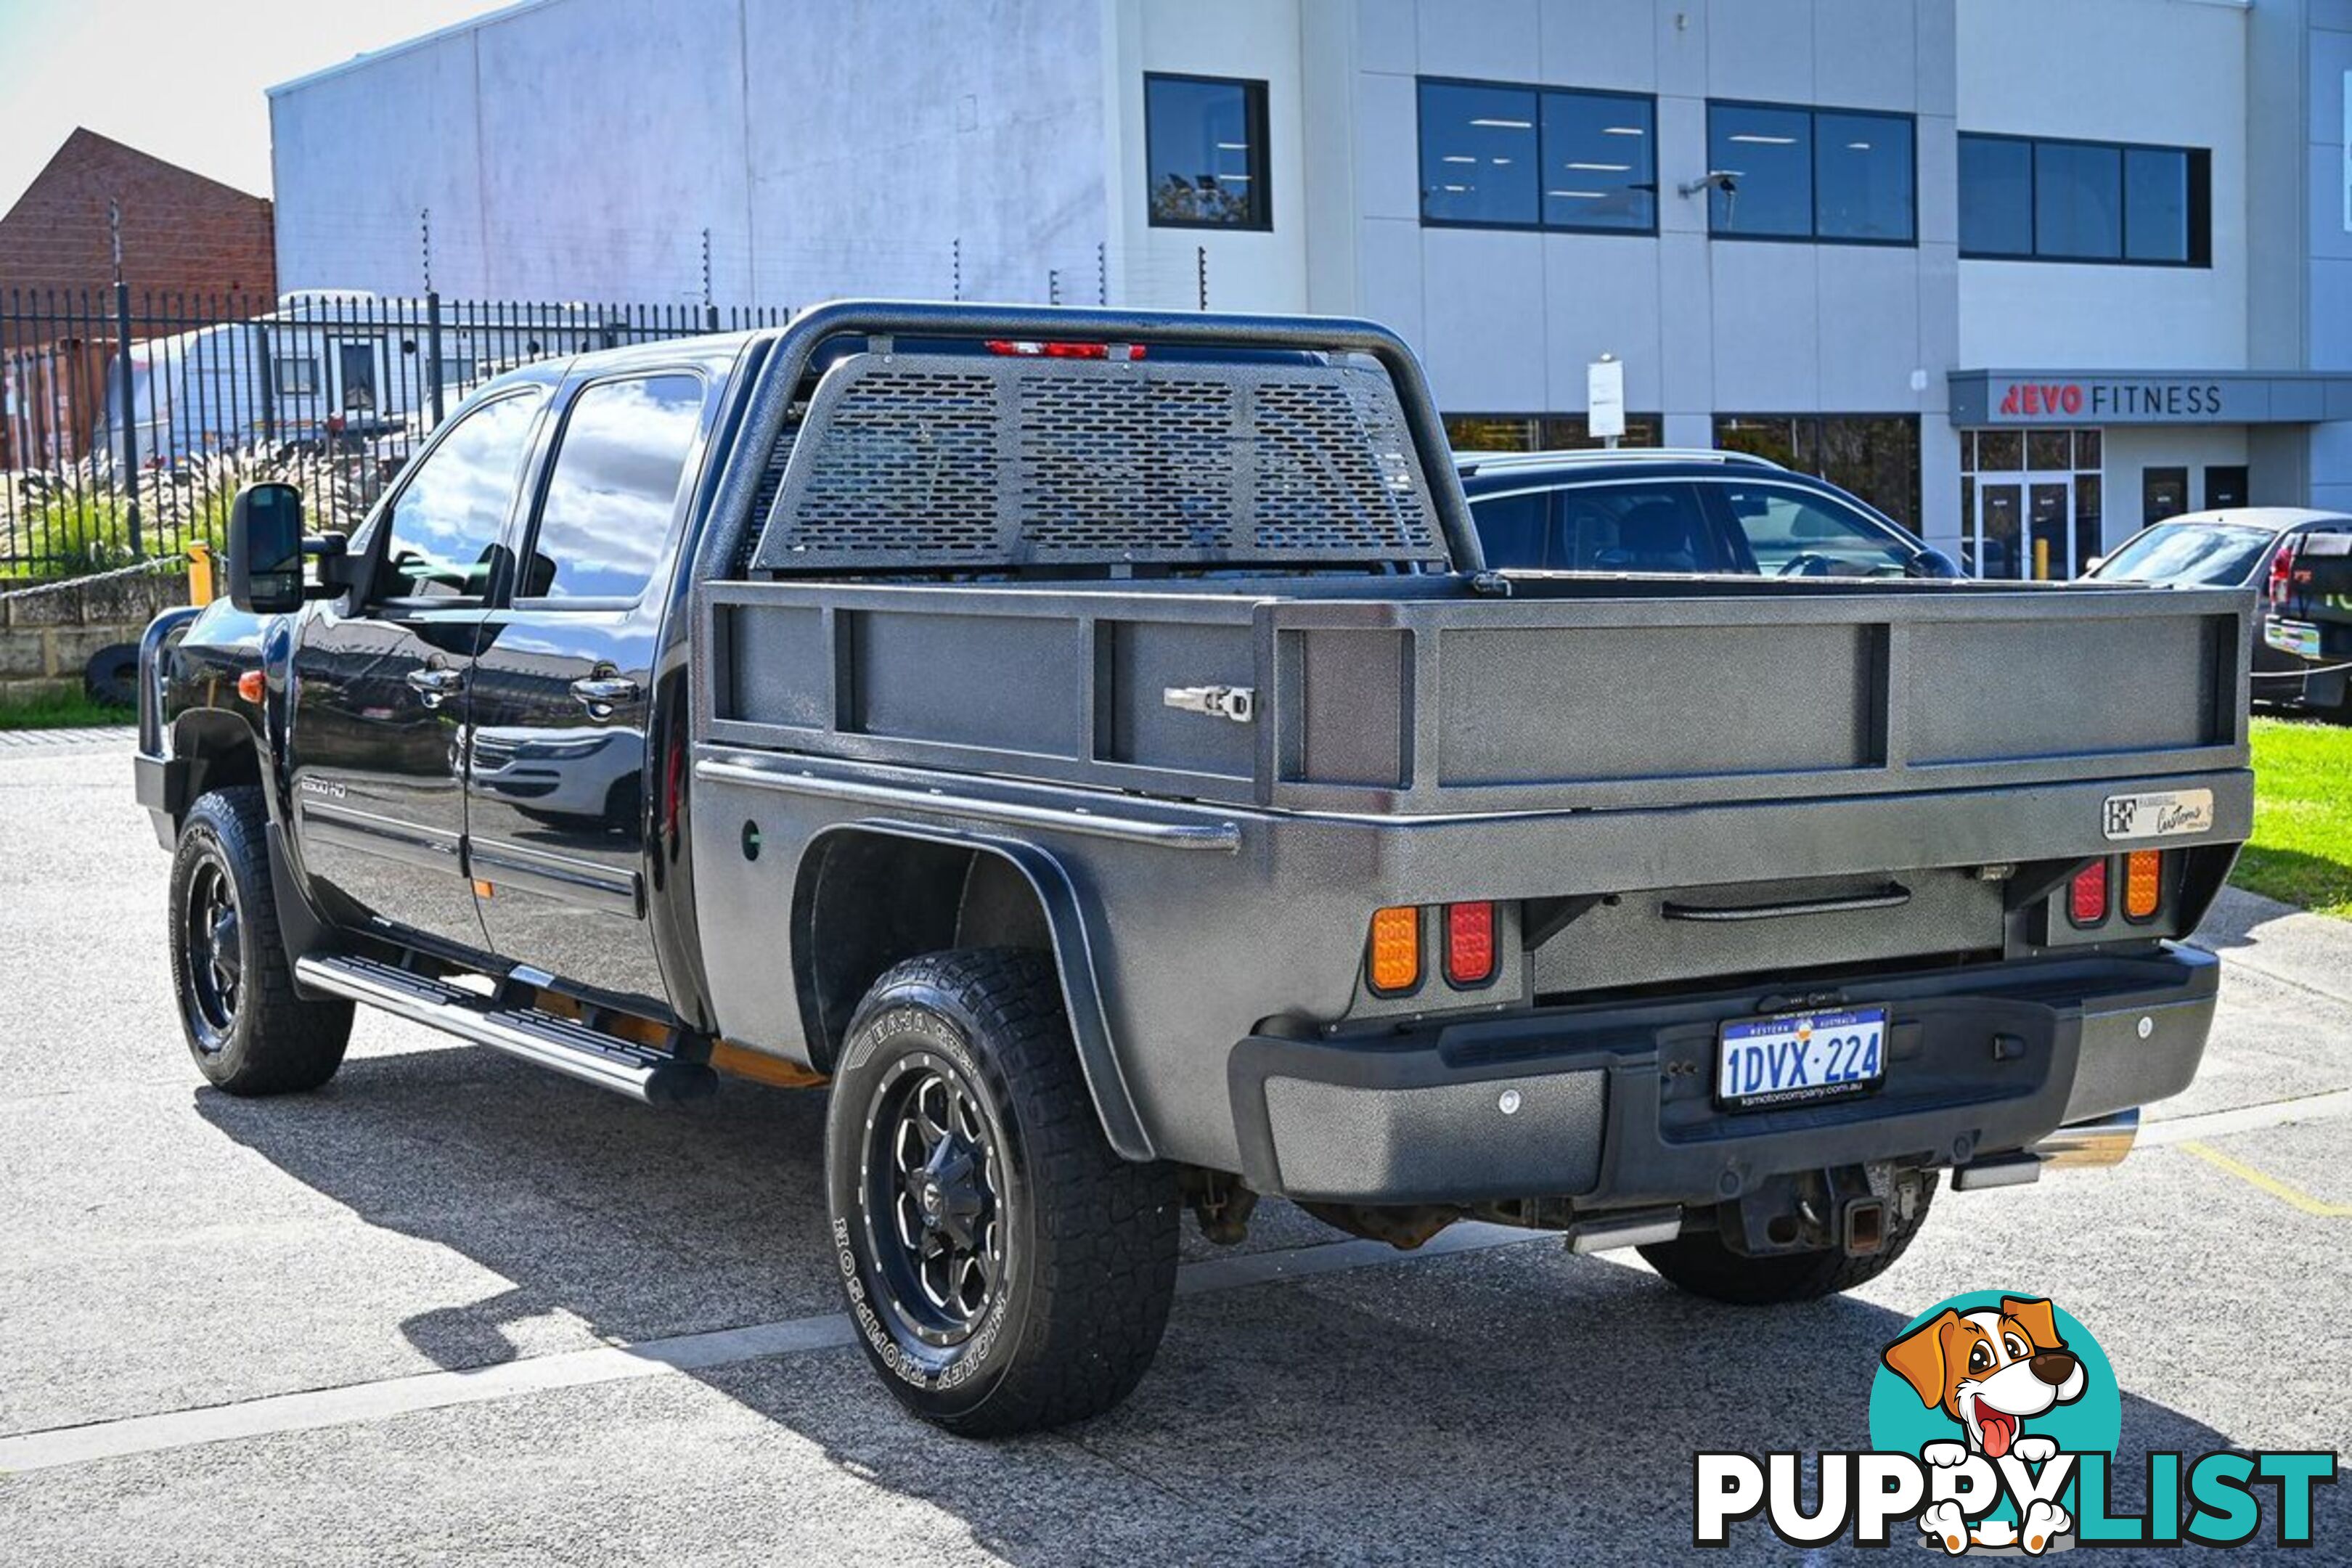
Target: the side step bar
pixel 544 1039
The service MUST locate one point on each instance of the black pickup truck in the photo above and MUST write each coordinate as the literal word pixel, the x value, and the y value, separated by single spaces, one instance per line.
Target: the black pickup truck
pixel 1092 744
pixel 2307 611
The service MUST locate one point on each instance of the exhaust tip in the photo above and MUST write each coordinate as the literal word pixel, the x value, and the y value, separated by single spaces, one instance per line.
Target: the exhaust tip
pixel 2086 1146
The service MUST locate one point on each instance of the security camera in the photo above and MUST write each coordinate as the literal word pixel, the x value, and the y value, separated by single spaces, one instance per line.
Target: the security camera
pixel 1723 180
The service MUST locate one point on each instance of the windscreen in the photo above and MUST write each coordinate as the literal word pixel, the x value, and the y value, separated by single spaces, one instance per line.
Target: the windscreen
pixel 2206 555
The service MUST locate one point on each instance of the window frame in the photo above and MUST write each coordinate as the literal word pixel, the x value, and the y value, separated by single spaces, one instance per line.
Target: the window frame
pixel 1539 225
pixel 1812 114
pixel 689 480
pixel 2198 216
pixel 1257 111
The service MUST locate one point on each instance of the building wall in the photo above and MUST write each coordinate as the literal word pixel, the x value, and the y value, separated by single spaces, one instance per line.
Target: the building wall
pixel 2030 67
pixel 580 149
pixel 182 234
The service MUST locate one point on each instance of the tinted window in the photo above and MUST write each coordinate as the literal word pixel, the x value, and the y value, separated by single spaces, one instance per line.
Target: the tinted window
pixel 1205 151
pixel 1634 528
pixel 1512 528
pixel 1766 154
pixel 1598 153
pixel 1996 197
pixel 445 528
pixel 1792 533
pixel 2204 553
pixel 614 489
pixel 1478 162
pixel 1861 177
pixel 2156 205
pixel 1875 456
pixel 2078 201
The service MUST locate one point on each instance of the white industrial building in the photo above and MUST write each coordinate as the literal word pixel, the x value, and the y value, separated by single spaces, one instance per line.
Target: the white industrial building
pixel 2024 272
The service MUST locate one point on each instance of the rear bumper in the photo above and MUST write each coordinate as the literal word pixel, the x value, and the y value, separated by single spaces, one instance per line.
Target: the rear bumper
pixel 1613 1104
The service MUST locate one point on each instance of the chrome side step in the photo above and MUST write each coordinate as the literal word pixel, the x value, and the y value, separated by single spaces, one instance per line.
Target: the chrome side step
pixel 544 1039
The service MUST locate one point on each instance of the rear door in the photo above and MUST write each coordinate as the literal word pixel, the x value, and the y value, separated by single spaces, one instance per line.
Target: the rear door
pixel 380 704
pixel 558 787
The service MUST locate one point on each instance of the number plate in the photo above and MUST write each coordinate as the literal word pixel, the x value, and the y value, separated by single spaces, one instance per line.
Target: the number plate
pixel 1800 1057
pixel 2298 638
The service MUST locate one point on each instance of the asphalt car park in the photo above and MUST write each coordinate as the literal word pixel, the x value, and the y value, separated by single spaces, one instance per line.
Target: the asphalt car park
pixel 447 1309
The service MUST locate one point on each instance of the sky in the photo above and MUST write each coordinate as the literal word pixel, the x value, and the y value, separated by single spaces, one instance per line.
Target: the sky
pixel 182 79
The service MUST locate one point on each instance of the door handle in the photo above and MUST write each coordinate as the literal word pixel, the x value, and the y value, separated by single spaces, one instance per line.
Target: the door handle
pixel 434 685
pixel 600 694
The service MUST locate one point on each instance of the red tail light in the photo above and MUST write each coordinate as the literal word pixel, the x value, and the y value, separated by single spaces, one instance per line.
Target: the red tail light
pixel 2282 571
pixel 2086 896
pixel 1031 348
pixel 1469 944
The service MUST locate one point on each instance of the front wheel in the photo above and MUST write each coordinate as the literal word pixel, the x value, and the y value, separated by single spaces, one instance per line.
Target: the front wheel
pixel 1701 1264
pixel 1006 1269
pixel 249 1030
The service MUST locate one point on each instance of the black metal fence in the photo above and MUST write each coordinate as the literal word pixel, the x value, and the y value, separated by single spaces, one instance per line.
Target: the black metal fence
pixel 127 424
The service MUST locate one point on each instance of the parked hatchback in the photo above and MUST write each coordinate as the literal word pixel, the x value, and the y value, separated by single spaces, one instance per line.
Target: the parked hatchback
pixel 1680 512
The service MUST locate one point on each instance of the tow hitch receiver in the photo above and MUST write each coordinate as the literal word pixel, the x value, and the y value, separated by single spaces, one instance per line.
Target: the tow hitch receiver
pixel 1864 1228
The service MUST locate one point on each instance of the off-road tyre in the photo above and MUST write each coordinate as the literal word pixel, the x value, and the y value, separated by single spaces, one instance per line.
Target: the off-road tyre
pixel 1039 1295
pixel 248 1029
pixel 1701 1264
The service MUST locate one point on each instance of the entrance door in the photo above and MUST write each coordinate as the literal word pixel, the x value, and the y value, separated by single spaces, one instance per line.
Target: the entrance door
pixel 558 787
pixel 378 739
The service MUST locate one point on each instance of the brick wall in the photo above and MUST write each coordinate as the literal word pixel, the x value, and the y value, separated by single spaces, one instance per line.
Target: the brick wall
pixel 47 638
pixel 182 233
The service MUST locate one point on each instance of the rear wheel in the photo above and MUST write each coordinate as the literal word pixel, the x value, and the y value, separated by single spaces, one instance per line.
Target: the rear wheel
pixel 1701 1264
pixel 1007 1271
pixel 248 1029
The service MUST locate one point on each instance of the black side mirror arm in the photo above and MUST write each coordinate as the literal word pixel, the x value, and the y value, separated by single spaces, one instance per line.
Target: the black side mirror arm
pixel 338 568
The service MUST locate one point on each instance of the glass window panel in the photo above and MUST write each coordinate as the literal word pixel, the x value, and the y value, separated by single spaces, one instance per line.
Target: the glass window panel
pixel 613 490
pixel 2048 450
pixel 1478 159
pixel 1599 153
pixel 1764 437
pixel 1563 432
pixel 2001 529
pixel 2051 513
pixel 1635 528
pixel 2000 451
pixel 1876 458
pixel 2156 205
pixel 1861 177
pixel 2089 532
pixel 2086 449
pixel 2163 492
pixel 1511 529
pixel 1491 432
pixel 1968 451
pixel 446 523
pixel 1205 151
pixel 1767 156
pixel 1996 197
pixel 1793 534
pixel 2078 201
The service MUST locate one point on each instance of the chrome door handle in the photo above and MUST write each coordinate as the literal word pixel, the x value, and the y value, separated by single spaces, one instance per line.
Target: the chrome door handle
pixel 435 685
pixel 600 694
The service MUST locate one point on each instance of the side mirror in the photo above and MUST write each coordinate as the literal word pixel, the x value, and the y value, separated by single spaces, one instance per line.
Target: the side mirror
pixel 266 549
pixel 2093 564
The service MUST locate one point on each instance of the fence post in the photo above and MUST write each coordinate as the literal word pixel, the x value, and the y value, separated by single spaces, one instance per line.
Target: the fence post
pixel 432 352
pixel 130 414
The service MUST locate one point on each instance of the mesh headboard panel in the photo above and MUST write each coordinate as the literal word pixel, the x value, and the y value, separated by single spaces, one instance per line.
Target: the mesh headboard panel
pixel 943 460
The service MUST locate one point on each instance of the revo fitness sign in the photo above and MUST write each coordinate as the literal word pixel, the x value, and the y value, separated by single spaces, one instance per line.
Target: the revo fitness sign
pixel 2132 400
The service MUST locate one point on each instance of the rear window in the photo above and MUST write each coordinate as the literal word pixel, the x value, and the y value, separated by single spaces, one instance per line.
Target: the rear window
pixel 2210 555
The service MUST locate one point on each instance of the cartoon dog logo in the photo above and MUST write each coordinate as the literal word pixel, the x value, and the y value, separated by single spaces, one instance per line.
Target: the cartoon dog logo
pixel 1990 1371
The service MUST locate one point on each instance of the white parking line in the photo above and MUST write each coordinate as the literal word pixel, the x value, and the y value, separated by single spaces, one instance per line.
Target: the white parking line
pixel 2321 1107
pixel 376 1401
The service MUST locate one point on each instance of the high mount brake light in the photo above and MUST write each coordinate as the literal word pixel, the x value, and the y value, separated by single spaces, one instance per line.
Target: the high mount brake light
pixel 2282 571
pixel 1031 348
